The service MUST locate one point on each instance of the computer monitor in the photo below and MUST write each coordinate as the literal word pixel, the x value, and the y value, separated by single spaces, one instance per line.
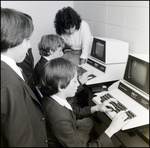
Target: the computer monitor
pixel 98 49
pixel 137 73
pixel 107 60
pixel 109 51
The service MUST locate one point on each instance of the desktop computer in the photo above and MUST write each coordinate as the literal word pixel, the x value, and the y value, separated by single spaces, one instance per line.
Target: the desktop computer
pixel 131 92
pixel 107 60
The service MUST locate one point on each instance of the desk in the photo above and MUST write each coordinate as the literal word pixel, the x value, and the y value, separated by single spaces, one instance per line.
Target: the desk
pixel 133 138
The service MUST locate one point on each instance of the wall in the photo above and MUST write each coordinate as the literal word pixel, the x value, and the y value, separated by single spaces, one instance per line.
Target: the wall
pixel 124 20
pixel 42 13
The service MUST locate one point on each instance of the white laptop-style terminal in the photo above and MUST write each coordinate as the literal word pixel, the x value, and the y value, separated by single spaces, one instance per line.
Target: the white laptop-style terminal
pixel 131 92
pixel 107 60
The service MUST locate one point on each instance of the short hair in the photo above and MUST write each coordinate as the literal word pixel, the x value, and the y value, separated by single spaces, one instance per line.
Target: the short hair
pixel 56 73
pixel 50 42
pixel 66 18
pixel 15 27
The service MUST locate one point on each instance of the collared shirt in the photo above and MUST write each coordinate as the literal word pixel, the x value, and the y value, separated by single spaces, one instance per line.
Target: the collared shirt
pixel 62 102
pixel 46 58
pixel 12 64
pixel 80 40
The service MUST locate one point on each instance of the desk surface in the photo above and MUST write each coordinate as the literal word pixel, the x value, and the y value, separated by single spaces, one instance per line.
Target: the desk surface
pixel 132 138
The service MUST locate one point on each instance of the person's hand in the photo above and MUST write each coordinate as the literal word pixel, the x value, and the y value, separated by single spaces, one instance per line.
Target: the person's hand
pixel 117 123
pixel 84 78
pixel 82 61
pixel 105 106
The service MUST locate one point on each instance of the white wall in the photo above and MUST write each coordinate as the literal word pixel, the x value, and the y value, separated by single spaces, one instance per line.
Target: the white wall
pixel 124 20
pixel 42 13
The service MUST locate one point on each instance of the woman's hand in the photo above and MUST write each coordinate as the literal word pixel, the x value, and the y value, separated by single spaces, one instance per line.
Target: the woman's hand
pixel 82 61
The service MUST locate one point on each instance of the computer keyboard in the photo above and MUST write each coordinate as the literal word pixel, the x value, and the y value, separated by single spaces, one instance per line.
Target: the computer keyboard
pixel 118 106
pixel 137 114
pixel 81 71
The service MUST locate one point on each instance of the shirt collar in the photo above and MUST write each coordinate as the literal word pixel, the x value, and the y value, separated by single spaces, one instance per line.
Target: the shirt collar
pixel 9 61
pixel 62 102
pixel 46 58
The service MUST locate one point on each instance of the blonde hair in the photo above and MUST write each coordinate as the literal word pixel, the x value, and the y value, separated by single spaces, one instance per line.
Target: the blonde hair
pixel 50 42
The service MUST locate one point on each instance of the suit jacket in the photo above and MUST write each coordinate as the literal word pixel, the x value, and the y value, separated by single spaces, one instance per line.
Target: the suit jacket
pixel 38 69
pixel 62 126
pixel 22 116
pixel 27 65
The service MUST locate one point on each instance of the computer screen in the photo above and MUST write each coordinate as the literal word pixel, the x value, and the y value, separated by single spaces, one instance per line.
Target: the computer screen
pixel 137 73
pixel 98 49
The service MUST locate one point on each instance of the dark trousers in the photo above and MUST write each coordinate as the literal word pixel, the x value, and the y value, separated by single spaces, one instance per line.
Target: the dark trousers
pixel 84 127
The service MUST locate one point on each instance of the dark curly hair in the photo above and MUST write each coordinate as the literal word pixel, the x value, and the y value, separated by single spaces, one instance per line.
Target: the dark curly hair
pixel 66 18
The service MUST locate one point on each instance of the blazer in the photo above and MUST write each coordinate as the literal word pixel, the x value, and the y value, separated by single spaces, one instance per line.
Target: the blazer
pixel 22 116
pixel 27 65
pixel 62 126
pixel 38 69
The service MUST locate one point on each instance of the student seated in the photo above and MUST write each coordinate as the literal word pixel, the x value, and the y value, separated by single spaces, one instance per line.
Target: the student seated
pixel 67 127
pixel 49 47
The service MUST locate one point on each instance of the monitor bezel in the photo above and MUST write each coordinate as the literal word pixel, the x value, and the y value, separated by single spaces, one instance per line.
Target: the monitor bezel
pixel 95 40
pixel 144 88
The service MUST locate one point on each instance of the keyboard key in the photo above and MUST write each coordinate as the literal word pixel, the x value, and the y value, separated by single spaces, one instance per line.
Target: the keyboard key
pixel 118 106
pixel 81 71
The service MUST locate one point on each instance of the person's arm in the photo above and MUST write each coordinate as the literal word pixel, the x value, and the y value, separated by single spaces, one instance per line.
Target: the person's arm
pixel 118 121
pixel 88 110
pixel 87 39
pixel 66 48
pixel 69 136
pixel 104 107
pixel 82 61
pixel 84 78
pixel 104 140
pixel 15 117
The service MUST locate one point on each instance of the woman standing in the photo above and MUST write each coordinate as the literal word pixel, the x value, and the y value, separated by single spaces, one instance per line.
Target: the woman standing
pixel 76 33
